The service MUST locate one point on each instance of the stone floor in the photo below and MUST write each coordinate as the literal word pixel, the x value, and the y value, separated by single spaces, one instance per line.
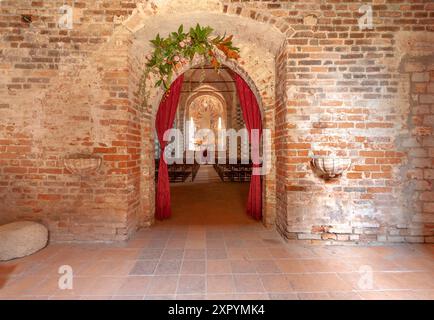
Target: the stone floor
pixel 211 250
pixel 206 174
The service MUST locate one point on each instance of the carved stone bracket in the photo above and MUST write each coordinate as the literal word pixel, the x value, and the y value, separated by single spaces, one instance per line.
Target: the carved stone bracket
pixel 330 167
pixel 82 164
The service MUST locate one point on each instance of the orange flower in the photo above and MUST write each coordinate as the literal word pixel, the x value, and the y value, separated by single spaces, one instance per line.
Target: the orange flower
pixel 232 54
pixel 228 39
pixel 215 63
pixel 223 48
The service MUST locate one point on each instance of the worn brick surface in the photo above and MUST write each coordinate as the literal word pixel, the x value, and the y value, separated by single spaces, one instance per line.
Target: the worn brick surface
pixel 323 84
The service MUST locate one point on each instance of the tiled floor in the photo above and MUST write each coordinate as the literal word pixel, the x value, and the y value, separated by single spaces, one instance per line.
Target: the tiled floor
pixel 210 250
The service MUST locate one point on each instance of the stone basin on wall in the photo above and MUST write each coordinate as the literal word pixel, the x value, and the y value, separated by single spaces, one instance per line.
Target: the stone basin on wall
pixel 82 164
pixel 330 167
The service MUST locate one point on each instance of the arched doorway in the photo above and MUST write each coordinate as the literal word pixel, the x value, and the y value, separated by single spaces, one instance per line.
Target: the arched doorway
pixel 268 181
pixel 257 67
pixel 210 103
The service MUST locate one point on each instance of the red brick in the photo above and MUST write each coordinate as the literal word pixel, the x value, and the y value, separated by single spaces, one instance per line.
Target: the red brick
pixel 117 157
pixel 49 197
pixel 15 170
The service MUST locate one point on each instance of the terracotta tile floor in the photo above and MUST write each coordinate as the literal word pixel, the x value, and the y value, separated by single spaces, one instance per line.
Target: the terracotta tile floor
pixel 211 250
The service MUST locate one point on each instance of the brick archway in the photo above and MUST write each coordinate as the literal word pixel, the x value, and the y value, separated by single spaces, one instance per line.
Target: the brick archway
pixel 323 83
pixel 147 186
pixel 257 67
pixel 102 114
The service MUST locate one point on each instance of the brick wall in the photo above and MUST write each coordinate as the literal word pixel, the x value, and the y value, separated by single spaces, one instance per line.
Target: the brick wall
pixel 418 144
pixel 65 92
pixel 324 85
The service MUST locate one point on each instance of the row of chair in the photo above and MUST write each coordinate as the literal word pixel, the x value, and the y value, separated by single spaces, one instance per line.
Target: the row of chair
pixel 234 172
pixel 179 172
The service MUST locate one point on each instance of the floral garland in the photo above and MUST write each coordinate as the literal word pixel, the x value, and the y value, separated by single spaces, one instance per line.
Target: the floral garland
pixel 179 48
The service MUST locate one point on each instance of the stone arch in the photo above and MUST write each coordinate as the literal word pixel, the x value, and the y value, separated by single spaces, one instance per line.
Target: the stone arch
pixel 253 69
pixel 150 9
pixel 150 115
pixel 259 45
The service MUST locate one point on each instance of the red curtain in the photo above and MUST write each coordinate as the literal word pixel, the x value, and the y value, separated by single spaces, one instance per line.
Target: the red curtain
pixel 253 120
pixel 164 121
